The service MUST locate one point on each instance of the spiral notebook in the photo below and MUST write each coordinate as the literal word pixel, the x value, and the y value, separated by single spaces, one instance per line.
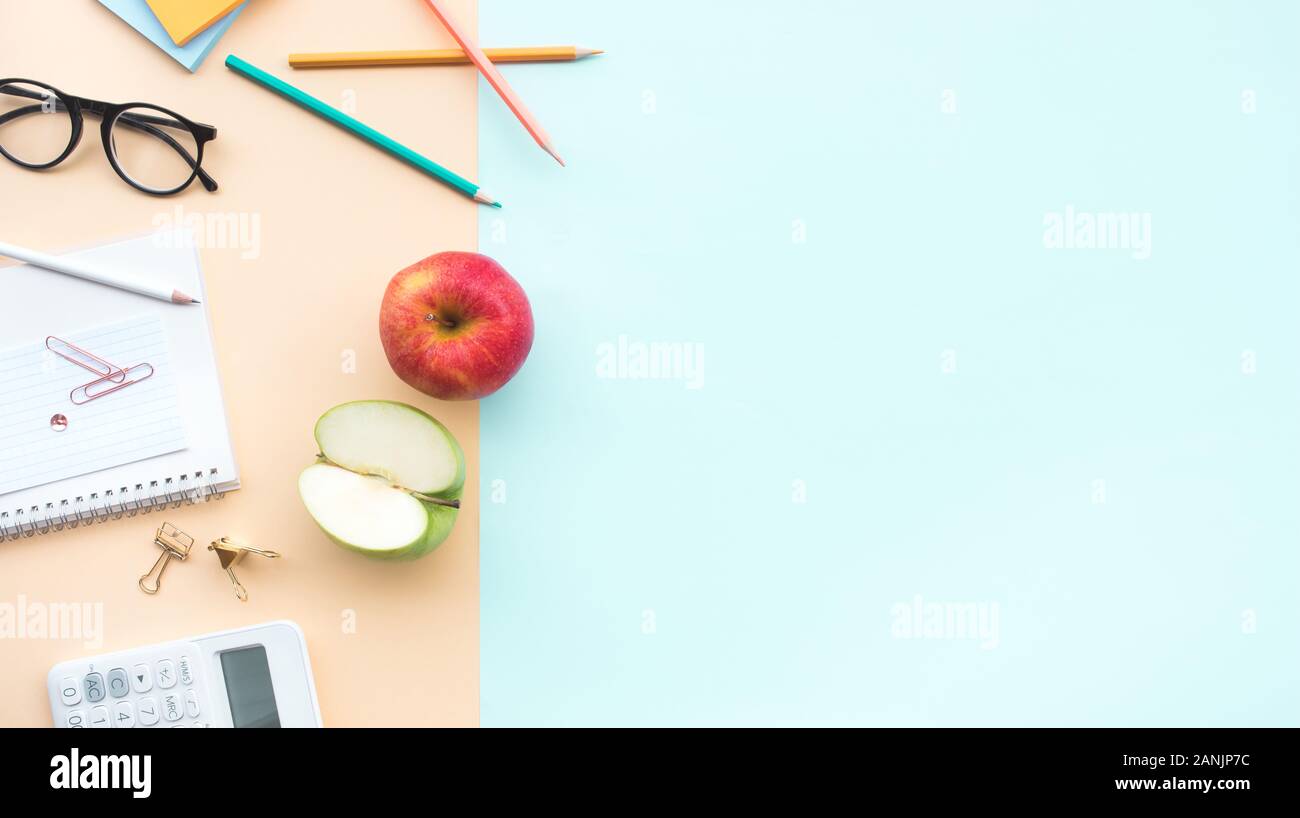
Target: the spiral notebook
pixel 163 441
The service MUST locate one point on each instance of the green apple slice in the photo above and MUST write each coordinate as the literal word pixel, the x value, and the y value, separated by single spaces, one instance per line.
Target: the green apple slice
pixel 368 515
pixel 407 447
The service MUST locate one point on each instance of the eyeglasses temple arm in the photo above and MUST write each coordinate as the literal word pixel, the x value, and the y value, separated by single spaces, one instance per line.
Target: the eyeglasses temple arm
pixel 142 123
pixel 17 112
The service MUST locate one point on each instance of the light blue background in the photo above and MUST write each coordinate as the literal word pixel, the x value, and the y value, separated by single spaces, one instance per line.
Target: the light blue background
pixel 823 364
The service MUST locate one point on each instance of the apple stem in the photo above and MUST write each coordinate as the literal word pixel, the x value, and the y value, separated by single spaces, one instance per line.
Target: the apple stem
pixel 437 501
pixel 433 316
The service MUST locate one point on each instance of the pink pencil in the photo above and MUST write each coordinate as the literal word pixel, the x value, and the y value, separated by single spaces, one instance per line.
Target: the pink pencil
pixel 494 78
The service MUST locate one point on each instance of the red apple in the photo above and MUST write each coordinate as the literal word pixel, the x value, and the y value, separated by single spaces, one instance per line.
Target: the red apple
pixel 456 326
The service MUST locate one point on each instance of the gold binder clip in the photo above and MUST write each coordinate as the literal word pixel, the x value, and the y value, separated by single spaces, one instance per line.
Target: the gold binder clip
pixel 175 545
pixel 230 552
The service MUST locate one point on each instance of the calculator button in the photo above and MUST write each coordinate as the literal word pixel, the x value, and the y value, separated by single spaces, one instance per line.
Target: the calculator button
pixel 123 715
pixel 141 679
pixel 99 717
pixel 94 684
pixel 191 703
pixel 187 675
pixel 172 707
pixel 199 724
pixel 166 674
pixel 117 683
pixel 75 718
pixel 148 711
pixel 69 691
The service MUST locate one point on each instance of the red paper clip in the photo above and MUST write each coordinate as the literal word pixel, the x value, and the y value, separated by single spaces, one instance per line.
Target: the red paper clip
pixel 86 360
pixel 109 373
pixel 120 380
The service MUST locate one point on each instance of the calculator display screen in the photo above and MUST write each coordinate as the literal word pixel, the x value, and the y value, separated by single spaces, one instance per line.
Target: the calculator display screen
pixel 248 686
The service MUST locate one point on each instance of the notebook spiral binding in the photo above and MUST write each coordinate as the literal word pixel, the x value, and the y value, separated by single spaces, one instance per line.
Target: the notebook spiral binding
pixel 186 489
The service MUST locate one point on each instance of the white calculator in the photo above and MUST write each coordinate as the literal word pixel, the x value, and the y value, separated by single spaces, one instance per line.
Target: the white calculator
pixel 250 677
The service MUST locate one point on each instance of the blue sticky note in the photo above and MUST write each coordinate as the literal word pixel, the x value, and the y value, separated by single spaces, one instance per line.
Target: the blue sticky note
pixel 191 55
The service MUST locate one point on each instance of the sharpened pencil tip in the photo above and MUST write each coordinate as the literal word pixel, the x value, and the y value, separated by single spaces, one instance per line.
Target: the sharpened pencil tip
pixel 549 148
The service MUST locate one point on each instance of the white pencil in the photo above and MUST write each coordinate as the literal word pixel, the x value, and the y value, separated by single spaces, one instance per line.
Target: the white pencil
pixel 81 269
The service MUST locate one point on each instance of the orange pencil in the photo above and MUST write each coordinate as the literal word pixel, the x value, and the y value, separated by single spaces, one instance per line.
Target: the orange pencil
pixel 444 56
pixel 494 78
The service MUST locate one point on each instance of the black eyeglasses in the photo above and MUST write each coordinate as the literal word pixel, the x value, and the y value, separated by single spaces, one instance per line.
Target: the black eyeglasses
pixel 153 149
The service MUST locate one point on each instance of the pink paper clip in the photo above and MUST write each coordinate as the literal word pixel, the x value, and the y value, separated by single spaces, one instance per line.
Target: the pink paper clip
pixel 86 360
pixel 119 380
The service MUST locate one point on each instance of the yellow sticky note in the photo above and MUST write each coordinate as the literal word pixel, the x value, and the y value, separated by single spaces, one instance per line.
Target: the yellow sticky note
pixel 183 19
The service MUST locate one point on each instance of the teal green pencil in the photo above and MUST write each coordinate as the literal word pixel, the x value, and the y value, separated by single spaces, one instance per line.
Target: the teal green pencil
pixel 360 129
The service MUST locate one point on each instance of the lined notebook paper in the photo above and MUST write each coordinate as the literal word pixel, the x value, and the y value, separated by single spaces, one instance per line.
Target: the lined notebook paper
pixel 179 448
pixel 134 423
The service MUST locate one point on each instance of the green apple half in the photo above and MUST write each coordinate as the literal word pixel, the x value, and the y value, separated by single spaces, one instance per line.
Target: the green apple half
pixel 388 480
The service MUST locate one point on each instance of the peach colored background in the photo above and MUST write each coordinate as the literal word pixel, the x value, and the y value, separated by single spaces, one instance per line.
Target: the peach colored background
pixel 338 218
